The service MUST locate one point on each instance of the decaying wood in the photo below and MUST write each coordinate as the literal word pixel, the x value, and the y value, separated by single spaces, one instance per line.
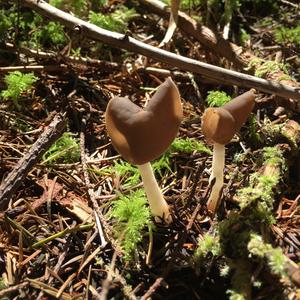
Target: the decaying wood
pixel 20 171
pixel 126 42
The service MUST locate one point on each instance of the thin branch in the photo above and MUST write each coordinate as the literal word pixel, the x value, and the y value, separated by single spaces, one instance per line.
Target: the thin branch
pixel 17 175
pixel 125 42
pixel 107 65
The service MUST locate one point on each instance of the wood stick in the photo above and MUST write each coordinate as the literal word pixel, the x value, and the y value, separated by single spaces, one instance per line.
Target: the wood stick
pixel 217 44
pixel 17 175
pixel 209 39
pixel 126 42
pixel 35 68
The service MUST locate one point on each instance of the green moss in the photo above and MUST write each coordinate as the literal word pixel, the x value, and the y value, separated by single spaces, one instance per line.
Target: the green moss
pixel 264 67
pixel 244 36
pixel 2 287
pixel 217 98
pixel 208 244
pixel 258 197
pixel 234 235
pixel 272 155
pixel 132 216
pixel 287 36
pixel 274 256
pixel 116 21
pixel 51 33
pixel 188 146
pixel 17 83
pixel 126 170
pixel 66 150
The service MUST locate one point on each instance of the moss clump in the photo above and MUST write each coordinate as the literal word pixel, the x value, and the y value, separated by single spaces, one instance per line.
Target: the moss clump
pixel 274 256
pixel 217 98
pixel 287 36
pixel 208 244
pixel 188 146
pixel 132 216
pixel 66 150
pixel 17 83
pixel 116 21
pixel 258 197
pixel 263 68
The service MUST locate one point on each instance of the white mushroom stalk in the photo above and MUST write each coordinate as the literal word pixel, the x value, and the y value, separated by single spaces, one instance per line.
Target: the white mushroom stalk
pixel 217 175
pixel 158 205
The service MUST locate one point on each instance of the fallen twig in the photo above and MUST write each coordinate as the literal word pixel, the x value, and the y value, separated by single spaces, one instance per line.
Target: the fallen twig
pixel 49 68
pixel 17 175
pixel 125 42
pixel 61 58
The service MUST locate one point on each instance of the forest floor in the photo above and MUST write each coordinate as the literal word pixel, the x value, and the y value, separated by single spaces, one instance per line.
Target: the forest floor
pixel 74 222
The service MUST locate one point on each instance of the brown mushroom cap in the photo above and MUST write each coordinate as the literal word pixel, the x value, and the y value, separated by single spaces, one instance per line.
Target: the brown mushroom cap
pixel 141 135
pixel 221 123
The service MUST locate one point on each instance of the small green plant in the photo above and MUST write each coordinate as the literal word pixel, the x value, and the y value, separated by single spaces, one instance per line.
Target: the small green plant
pixel 51 33
pixel 132 216
pixel 188 146
pixel 116 21
pixel 265 67
pixel 274 256
pixel 17 83
pixel 287 36
pixel 65 149
pixel 125 169
pixel 217 98
pixel 209 244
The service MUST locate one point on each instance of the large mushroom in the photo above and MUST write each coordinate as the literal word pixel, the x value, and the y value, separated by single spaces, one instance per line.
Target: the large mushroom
pixel 141 135
pixel 219 126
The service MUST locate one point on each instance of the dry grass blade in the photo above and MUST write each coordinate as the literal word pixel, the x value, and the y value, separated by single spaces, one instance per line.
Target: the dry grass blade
pixel 89 258
pixel 63 287
pixel 61 234
pixel 49 290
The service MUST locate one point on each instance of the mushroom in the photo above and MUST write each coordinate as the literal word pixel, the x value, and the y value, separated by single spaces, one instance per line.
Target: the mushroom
pixel 141 135
pixel 219 124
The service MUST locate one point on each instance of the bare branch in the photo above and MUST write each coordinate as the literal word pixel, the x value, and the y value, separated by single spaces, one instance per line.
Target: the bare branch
pixel 125 42
pixel 17 175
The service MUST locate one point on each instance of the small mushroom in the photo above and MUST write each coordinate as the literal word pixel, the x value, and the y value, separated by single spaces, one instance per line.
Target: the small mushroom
pixel 219 126
pixel 141 135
